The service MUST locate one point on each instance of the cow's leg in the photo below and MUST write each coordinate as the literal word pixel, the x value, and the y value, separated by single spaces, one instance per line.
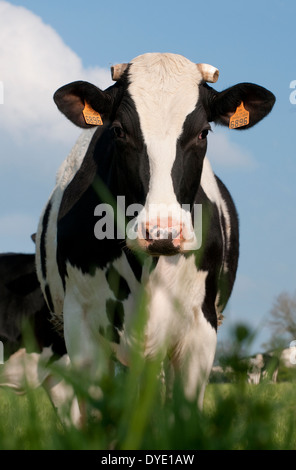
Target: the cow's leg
pixel 79 342
pixel 62 395
pixel 80 347
pixel 88 355
pixel 194 358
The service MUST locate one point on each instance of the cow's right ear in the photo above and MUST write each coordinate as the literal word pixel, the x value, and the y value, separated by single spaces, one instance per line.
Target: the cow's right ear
pixel 76 97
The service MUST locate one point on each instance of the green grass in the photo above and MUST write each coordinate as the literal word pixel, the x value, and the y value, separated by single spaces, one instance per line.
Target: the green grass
pixel 130 412
pixel 27 421
pixel 243 416
pixel 235 416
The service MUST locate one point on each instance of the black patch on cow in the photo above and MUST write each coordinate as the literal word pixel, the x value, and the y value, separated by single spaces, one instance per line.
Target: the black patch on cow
pixel 76 238
pixel 210 256
pixel 135 263
pixel 82 179
pixel 208 306
pixel 42 239
pixel 115 313
pixel 190 152
pixel 112 334
pixel 163 247
pixel 131 169
pixel 231 254
pixel 117 283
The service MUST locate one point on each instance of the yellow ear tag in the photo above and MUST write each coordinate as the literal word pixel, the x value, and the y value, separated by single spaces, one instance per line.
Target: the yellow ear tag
pixel 240 118
pixel 91 116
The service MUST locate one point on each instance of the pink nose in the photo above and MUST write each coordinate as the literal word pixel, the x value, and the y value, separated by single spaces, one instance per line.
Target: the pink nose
pixel 166 229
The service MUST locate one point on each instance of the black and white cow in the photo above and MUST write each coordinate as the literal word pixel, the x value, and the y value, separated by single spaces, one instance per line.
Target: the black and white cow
pixel 150 150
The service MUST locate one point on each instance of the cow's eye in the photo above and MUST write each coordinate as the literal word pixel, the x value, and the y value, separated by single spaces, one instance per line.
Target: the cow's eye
pixel 118 131
pixel 203 134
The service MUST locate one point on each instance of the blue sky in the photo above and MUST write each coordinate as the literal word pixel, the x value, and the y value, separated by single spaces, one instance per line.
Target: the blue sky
pixel 44 45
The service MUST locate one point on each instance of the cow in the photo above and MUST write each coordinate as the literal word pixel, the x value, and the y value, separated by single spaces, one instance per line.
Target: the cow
pixel 263 367
pixel 144 144
pixel 30 342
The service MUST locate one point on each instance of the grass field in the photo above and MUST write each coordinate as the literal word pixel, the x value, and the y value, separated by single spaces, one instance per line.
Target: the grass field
pixel 128 410
pixel 235 416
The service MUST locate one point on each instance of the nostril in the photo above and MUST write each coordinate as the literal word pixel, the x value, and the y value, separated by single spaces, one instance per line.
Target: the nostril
pixel 155 232
pixel 175 233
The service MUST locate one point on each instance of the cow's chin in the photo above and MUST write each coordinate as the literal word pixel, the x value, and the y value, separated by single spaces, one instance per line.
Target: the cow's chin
pixel 157 247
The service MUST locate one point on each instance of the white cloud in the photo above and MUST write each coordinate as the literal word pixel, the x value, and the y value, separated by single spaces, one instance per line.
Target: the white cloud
pixel 34 62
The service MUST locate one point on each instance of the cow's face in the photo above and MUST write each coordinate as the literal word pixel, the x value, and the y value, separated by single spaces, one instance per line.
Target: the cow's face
pixel 160 112
pixel 161 131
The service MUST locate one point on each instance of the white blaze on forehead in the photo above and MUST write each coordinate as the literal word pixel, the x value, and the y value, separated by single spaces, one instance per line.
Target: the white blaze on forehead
pixel 165 90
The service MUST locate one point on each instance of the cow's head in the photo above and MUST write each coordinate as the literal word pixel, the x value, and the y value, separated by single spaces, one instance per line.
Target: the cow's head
pixel 159 113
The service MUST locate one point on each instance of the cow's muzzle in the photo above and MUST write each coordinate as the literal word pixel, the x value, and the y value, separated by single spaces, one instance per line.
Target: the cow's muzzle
pixel 163 232
pixel 161 237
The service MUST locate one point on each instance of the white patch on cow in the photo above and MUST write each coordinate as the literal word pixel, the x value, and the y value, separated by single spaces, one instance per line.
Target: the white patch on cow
pixel 175 289
pixel 176 321
pixel 165 90
pixel 72 163
pixel 198 356
pixel 85 312
pixel 65 174
pixel 210 186
pixel 62 395
pixel 130 306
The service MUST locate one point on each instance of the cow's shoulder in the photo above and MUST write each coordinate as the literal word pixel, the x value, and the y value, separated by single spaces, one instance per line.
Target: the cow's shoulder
pixel 73 162
pixel 88 164
pixel 213 191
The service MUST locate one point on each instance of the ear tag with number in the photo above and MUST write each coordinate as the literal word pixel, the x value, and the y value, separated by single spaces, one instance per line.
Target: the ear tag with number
pixel 91 116
pixel 240 118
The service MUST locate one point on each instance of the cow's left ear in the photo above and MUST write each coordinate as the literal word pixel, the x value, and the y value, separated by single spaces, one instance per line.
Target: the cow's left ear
pixel 80 99
pixel 256 100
